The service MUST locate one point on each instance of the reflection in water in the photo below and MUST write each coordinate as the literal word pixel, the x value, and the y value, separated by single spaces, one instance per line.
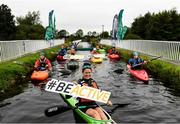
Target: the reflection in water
pixel 151 103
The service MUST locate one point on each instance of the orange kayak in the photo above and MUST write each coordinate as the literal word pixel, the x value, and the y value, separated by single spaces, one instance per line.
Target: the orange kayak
pixel 39 75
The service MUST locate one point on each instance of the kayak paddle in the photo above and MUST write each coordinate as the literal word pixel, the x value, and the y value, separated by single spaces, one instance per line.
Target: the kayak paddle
pixel 58 109
pixel 147 61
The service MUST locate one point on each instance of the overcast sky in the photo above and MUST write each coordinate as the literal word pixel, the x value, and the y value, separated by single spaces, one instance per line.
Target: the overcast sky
pixel 89 15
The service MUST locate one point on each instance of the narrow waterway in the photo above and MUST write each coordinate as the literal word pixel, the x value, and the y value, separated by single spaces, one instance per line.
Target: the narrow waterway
pixel 147 103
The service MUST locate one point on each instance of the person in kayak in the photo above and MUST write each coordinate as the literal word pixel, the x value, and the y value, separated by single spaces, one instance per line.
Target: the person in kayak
pixel 62 51
pixel 135 60
pixel 97 48
pixel 72 51
pixel 43 63
pixel 94 51
pixel 95 111
pixel 113 51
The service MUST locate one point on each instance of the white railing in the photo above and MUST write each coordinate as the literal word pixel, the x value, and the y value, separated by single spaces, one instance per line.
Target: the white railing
pixel 170 50
pixel 13 49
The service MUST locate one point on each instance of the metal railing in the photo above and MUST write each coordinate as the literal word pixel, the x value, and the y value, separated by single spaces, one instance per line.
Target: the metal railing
pixel 13 49
pixel 170 50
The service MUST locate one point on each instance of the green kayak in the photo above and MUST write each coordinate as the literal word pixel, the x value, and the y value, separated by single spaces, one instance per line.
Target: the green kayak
pixel 101 51
pixel 72 101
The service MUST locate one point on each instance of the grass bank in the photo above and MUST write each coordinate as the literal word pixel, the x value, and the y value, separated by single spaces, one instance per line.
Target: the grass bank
pixel 166 72
pixel 15 74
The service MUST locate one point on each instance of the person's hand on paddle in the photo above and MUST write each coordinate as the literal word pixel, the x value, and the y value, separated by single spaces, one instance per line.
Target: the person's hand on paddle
pixel 75 82
pixel 145 62
pixel 109 103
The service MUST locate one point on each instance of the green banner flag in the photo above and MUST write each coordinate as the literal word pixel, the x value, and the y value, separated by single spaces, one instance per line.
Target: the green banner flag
pixel 50 30
pixel 121 30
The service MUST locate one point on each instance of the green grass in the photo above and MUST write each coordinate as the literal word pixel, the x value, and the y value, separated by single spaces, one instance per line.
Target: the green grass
pixel 15 74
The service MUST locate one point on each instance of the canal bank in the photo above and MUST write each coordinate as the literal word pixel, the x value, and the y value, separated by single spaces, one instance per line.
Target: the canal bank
pixel 166 72
pixel 15 74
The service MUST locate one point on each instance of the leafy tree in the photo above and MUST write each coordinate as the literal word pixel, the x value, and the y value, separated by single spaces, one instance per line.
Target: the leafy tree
pixel 164 25
pixel 104 34
pixel 29 27
pixel 79 33
pixel 32 18
pixel 62 33
pixel 7 23
pixel 140 24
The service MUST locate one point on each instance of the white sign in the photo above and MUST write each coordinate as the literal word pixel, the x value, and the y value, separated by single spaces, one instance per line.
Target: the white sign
pixel 99 55
pixel 68 56
pixel 72 89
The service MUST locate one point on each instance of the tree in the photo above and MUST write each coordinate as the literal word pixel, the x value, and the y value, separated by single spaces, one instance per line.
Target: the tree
pixel 62 33
pixel 79 33
pixel 164 25
pixel 105 34
pixel 7 23
pixel 140 24
pixel 32 18
pixel 29 27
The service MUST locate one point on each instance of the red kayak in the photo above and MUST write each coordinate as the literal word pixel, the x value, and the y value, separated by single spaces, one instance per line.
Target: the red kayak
pixel 114 56
pixel 60 58
pixel 139 74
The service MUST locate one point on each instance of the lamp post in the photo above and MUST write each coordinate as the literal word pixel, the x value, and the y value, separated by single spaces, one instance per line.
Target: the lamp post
pixel 102 30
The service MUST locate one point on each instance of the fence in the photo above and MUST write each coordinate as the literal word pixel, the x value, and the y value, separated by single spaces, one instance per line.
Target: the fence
pixel 13 49
pixel 170 50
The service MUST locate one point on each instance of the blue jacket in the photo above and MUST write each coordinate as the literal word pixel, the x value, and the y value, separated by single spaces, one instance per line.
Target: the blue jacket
pixel 133 61
pixel 62 52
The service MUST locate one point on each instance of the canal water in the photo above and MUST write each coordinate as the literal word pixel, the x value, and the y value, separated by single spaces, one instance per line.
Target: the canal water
pixel 146 103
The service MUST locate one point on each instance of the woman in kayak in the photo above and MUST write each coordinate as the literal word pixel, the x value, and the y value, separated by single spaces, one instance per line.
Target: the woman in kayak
pixel 43 63
pixel 135 60
pixel 95 112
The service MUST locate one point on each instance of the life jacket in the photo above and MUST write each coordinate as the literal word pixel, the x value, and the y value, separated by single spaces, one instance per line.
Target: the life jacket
pixel 111 51
pixel 62 52
pixel 42 63
pixel 133 62
pixel 90 83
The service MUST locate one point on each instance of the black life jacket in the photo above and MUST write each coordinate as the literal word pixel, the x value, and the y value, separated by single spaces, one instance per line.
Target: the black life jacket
pixel 42 63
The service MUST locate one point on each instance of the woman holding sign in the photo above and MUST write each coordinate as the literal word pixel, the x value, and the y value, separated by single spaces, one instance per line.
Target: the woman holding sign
pixel 95 111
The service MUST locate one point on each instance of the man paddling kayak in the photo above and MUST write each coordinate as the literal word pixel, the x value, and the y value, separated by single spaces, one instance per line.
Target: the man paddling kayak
pixel 113 51
pixel 95 112
pixel 135 60
pixel 43 63
pixel 62 51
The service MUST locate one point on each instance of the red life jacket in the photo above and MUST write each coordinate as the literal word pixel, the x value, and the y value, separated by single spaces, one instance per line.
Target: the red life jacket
pixel 90 83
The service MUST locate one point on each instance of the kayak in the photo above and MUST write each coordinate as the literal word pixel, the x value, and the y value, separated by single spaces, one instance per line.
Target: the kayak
pixel 73 64
pixel 101 51
pixel 60 58
pixel 96 60
pixel 84 49
pixel 139 74
pixel 39 75
pixel 114 56
pixel 72 103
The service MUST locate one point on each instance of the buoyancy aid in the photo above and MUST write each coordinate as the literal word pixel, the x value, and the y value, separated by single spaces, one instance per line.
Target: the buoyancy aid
pixel 91 83
pixel 43 63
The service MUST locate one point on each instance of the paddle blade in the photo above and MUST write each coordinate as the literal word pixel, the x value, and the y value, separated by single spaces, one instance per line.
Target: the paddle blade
pixel 56 110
